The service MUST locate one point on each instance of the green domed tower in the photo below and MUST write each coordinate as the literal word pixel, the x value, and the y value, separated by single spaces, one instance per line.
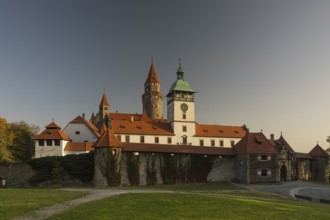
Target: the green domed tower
pixel 181 107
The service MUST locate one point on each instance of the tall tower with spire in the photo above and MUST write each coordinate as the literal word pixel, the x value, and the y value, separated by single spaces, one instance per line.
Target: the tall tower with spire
pixel 104 110
pixel 181 108
pixel 152 99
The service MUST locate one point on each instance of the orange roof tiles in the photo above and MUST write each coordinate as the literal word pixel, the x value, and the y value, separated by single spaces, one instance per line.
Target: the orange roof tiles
pixel 125 116
pixel 104 101
pixel 318 151
pixel 52 132
pixel 203 130
pixel 255 143
pixel 107 139
pixel 141 127
pixel 152 76
pixel 79 146
pixel 181 149
pixel 91 127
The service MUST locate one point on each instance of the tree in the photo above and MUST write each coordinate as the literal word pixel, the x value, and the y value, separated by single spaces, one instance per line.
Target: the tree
pixel 6 140
pixel 16 141
pixel 22 147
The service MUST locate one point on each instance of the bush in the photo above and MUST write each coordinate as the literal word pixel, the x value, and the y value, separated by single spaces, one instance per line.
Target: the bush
pixel 80 166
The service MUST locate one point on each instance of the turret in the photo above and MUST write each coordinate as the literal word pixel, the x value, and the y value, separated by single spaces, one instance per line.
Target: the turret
pixel 104 110
pixel 152 99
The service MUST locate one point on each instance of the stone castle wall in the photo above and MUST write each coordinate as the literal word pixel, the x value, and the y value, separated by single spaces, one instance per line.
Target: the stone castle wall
pixel 16 175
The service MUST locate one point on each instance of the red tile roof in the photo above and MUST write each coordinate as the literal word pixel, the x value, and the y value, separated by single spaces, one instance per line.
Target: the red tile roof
pixel 141 127
pixel 203 130
pixel 104 101
pixel 107 140
pixel 152 76
pixel 52 132
pixel 79 146
pixel 125 116
pixel 255 143
pixel 91 127
pixel 181 149
pixel 318 151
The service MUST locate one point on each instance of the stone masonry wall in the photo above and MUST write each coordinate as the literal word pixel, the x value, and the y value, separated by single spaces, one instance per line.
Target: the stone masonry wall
pixel 17 175
pixel 222 170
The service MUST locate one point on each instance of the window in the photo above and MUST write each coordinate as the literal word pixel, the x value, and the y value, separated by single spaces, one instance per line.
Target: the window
pixel 57 143
pixel 264 158
pixel 184 140
pixel 264 172
pixel 232 143
pixel 221 143
pixel 169 140
pixel 184 128
pixel 184 116
pixel 77 132
pixel 212 143
pixel 201 142
pixel 157 140
pixel 119 137
pixel 41 143
pixel 49 142
pixel 127 138
pixel 141 139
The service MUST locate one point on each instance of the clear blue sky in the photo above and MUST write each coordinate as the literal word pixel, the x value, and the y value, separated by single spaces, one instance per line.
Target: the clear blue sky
pixel 262 63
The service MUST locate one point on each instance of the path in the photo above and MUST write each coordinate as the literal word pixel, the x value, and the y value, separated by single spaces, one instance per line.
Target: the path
pixel 95 194
pixel 307 190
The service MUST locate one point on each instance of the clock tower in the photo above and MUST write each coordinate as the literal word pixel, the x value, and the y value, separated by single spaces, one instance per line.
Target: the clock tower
pixel 181 108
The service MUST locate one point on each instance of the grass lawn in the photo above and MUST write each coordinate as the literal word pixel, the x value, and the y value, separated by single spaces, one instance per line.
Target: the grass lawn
pixel 192 206
pixel 202 187
pixel 16 202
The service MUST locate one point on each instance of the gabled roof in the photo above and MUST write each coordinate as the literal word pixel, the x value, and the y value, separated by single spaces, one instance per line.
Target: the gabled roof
pixel 107 140
pixel 90 126
pixel 318 151
pixel 282 142
pixel 152 76
pixel 255 143
pixel 181 149
pixel 52 132
pixel 79 146
pixel 104 101
pixel 203 130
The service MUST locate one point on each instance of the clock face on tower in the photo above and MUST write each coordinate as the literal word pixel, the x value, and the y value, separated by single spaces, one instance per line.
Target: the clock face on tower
pixel 184 107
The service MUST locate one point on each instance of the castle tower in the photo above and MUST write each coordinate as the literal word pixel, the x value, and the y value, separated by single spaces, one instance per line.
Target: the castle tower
pixel 104 110
pixel 181 108
pixel 152 99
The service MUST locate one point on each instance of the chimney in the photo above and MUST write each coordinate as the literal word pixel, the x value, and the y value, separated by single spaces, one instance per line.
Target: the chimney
pixel 83 115
pixel 132 118
pixel 272 137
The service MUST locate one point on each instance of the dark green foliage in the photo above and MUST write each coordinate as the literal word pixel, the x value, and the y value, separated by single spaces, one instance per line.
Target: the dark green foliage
pixel 185 168
pixel 112 169
pixel 200 166
pixel 79 166
pixel 151 168
pixel 168 168
pixel 132 163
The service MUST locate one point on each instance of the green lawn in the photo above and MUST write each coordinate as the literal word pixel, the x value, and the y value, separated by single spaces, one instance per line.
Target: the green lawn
pixel 202 187
pixel 15 202
pixel 190 206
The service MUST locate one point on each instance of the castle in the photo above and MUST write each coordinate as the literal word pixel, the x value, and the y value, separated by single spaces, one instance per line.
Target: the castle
pixel 154 144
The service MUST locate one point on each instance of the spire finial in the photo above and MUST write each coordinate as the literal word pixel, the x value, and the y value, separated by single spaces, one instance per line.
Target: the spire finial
pixel 317 142
pixel 53 119
pixel 103 91
pixel 281 133
pixel 180 61
pixel 152 60
pixel 261 130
